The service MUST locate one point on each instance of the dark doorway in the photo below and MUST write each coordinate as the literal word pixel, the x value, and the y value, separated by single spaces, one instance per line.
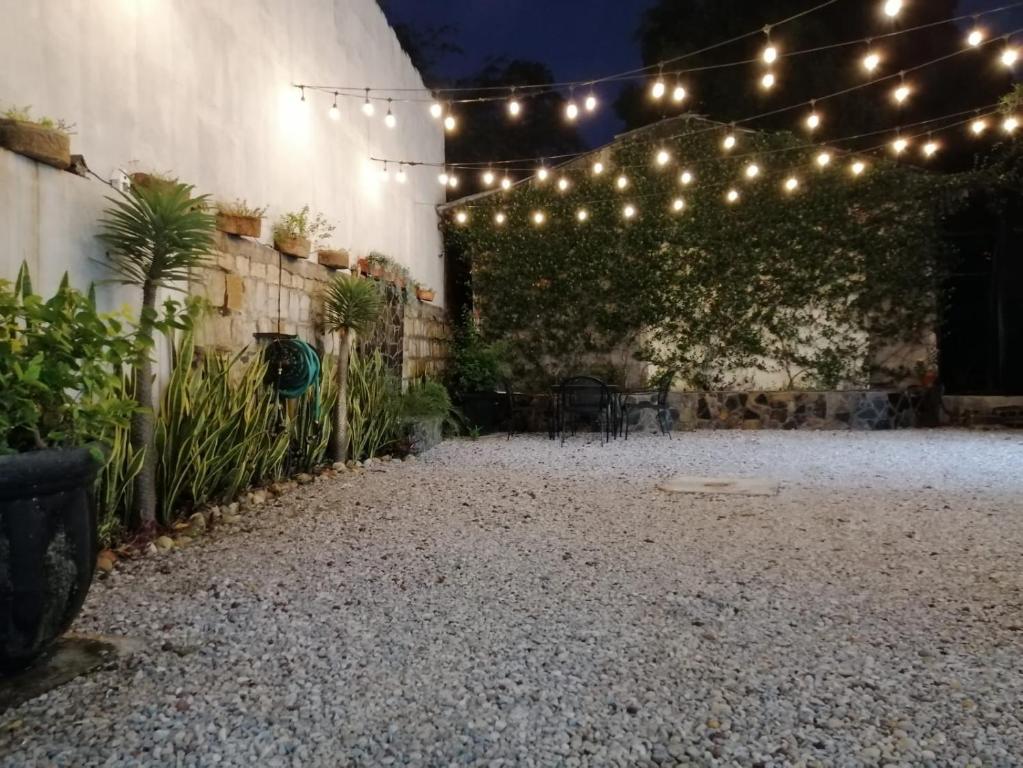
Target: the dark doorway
pixel 981 336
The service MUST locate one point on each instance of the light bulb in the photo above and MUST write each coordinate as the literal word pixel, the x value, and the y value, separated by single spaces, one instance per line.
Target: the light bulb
pixel 385 175
pixel 488 178
pixel 514 107
pixel 389 119
pixel 685 179
pixel 436 110
pixel 678 204
pixel 892 8
pixel 732 196
pixel 900 145
pixel 824 159
pixel 657 89
pixel 871 61
pixel 539 218
pixel 453 181
pixel 506 183
pixel 902 93
pixel 562 184
pixel 791 184
pixel 629 211
pixel 571 111
pixel 401 176
pixel 813 121
pixel 767 81
pixel 729 142
pixel 930 148
pixel 858 168
pixel 622 182
pixel 499 218
pixel 590 103
pixel 678 95
pixel 367 108
pixel 770 54
pixel 461 217
pixel 443 178
pixel 1010 56
pixel 976 37
pixel 450 123
pixel 598 168
pixel 542 174
pixel 1010 125
pixel 335 113
pixel 663 157
pixel 582 214
pixel 752 171
pixel 978 126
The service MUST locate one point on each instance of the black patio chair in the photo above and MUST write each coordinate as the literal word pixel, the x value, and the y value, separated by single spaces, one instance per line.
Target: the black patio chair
pixel 585 400
pixel 519 406
pixel 641 399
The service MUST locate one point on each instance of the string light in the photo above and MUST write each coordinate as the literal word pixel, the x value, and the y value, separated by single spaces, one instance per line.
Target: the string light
pixel 678 205
pixel 622 181
pixel 563 184
pixel 539 218
pixel 930 148
pixel 461 217
pixel 389 119
pixel 813 120
pixel 367 106
pixel 1010 125
pixel 598 168
pixel 752 171
pixel 488 178
pixel 678 95
pixel 582 214
pixel 301 90
pixel 871 61
pixel 514 107
pixel 506 183
pixel 976 37
pixel 591 101
pixel 436 110
pixel 902 93
pixel 629 211
pixel 500 218
pixel 685 179
pixel 384 175
pixel 767 81
pixel 892 8
pixel 978 126
pixel 453 181
pixel 663 157
pixel 770 54
pixel 450 123
pixel 791 184
pixel 900 145
pixel 729 143
pixel 542 173
pixel 857 168
pixel 732 196
pixel 658 88
pixel 443 178
pixel 571 111
pixel 335 113
pixel 824 159
pixel 1010 55
pixel 401 176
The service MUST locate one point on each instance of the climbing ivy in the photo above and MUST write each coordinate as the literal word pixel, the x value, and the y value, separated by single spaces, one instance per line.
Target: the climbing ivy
pixel 806 283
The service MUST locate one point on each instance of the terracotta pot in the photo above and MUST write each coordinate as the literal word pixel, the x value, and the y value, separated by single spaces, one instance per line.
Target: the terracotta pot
pixel 376 270
pixel 425 294
pixel 334 258
pixel 151 181
pixel 244 226
pixel 363 266
pixel 46 145
pixel 298 247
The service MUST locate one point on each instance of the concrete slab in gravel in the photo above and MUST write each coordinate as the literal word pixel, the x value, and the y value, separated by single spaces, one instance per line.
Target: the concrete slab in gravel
pixel 745 486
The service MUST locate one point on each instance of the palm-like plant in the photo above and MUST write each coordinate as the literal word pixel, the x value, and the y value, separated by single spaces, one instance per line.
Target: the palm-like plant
pixel 350 306
pixel 154 235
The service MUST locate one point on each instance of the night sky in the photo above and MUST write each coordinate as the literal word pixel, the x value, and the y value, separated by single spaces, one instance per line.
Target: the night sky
pixel 577 39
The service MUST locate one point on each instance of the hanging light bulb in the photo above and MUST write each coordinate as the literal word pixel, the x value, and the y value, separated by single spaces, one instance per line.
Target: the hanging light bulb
pixel 892 8
pixel 591 101
pixel 443 178
pixel 732 196
pixel 791 184
pixel 1010 55
pixel 542 173
pixel 629 211
pixel 1010 125
pixel 367 106
pixel 571 111
pixel 729 142
pixel 582 214
pixel 768 81
pixel 900 145
pixel 976 37
pixel 301 90
pixel 401 176
pixel 450 123
pixel 335 113
pixel 678 93
pixel 461 217
pixel 813 120
pixel 685 179
pixel 622 182
pixel 857 168
pixel 506 183
pixel 500 218
pixel 488 177
pixel 770 54
pixel 658 88
pixel 436 110
pixel 978 126
pixel 902 93
pixel 678 204
pixel 598 168
pixel 930 148
pixel 453 181
pixel 871 61
pixel 539 218
pixel 752 171
pixel 824 159
pixel 385 176
pixel 663 157
pixel 514 107
pixel 562 184
pixel 389 119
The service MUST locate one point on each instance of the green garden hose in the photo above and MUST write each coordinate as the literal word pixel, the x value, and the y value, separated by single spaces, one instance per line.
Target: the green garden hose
pixel 292 368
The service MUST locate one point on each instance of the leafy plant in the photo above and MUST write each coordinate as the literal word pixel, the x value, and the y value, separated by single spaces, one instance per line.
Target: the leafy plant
pixel 309 422
pixel 115 483
pixel 350 306
pixel 303 224
pixel 60 369
pixel 476 365
pixel 240 208
pixel 374 405
pixel 155 236
pixel 425 399
pixel 24 115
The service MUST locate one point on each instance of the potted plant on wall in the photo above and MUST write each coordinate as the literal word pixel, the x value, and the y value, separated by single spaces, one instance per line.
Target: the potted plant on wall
pixel 61 398
pixel 425 294
pixel 43 139
pixel 240 218
pixel 295 232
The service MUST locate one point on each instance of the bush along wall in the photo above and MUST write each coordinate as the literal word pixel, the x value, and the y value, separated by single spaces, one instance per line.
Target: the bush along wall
pixel 803 282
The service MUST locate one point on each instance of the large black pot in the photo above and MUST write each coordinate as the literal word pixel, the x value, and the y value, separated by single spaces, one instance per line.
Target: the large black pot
pixel 47 548
pixel 483 410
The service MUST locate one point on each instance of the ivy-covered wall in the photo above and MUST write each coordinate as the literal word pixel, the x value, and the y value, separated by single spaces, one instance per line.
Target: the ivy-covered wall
pixel 800 289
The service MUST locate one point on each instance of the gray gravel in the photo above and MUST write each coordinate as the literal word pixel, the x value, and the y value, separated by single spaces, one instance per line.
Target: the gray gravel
pixel 517 603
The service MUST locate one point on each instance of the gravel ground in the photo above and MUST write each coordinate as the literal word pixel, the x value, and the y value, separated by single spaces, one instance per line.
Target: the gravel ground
pixel 517 603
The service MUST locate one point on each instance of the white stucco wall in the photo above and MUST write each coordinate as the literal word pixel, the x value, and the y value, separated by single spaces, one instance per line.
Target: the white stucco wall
pixel 202 89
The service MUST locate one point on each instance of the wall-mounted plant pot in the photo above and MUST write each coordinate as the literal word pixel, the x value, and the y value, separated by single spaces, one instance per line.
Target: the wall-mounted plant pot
pixel 425 294
pixel 363 267
pixel 47 145
pixel 152 181
pixel 375 270
pixel 244 226
pixel 47 548
pixel 334 258
pixel 298 247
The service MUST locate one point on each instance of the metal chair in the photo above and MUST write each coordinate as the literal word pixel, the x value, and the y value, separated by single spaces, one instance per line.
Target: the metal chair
pixel 518 404
pixel 587 400
pixel 660 404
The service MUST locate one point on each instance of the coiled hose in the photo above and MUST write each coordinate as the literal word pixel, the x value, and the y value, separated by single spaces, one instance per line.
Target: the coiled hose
pixel 292 368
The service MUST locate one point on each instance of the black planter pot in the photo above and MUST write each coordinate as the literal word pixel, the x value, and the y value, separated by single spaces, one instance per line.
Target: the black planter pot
pixel 483 410
pixel 47 548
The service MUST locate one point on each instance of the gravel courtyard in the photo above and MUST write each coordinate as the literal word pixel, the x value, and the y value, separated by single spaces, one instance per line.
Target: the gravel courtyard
pixel 503 603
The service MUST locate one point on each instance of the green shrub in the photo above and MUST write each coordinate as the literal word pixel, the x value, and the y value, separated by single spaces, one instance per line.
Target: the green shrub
pixel 476 366
pixel 425 399
pixel 374 405
pixel 309 422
